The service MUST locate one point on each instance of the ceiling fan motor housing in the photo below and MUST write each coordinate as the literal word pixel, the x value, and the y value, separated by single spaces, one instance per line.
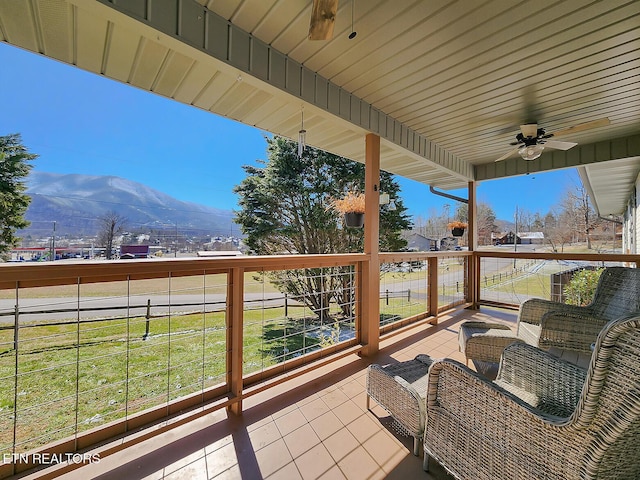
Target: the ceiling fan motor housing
pixel 529 137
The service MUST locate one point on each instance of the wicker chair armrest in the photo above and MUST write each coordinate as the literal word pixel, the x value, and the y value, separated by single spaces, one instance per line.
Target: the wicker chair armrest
pixel 467 395
pixel 532 310
pixel 569 330
pixel 542 380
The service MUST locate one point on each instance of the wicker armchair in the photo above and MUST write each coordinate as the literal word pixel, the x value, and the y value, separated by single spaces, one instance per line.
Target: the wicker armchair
pixel 542 417
pixel 546 324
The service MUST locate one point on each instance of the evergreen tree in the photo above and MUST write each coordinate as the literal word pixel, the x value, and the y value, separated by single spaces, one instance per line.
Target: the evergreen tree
pixel 14 168
pixel 286 209
pixel 285 205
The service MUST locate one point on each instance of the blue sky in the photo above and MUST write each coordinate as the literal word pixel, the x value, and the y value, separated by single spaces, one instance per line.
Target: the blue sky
pixel 79 122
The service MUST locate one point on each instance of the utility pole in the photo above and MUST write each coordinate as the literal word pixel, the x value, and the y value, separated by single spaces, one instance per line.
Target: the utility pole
pixel 53 243
pixel 515 235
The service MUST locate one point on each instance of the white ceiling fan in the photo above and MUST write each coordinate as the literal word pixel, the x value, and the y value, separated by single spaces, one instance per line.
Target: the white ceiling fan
pixel 532 140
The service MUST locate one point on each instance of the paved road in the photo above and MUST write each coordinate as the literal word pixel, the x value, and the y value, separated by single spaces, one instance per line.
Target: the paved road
pixel 99 307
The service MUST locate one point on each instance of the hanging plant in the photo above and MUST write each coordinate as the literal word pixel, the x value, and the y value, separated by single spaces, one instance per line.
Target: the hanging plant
pixel 352 207
pixel 457 228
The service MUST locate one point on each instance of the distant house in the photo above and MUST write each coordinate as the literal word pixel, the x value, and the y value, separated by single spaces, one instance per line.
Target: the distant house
pixel 219 253
pixel 134 251
pixel 523 238
pixel 420 243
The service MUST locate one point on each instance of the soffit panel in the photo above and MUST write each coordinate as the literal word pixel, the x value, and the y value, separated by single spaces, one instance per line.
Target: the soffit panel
pixel 611 184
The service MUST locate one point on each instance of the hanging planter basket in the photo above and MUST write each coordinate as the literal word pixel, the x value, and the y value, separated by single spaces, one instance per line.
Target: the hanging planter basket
pixel 354 220
pixel 457 232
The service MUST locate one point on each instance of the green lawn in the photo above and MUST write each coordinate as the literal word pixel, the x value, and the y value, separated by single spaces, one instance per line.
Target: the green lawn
pixel 115 371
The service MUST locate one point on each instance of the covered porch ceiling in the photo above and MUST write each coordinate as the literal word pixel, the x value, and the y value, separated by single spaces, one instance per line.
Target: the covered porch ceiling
pixel 444 83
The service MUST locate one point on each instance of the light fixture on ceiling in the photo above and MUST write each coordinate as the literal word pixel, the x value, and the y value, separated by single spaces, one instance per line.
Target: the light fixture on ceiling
pixel 353 33
pixel 385 199
pixel 302 137
pixel 531 152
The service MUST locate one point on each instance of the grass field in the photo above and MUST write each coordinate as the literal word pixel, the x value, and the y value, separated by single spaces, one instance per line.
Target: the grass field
pixel 116 371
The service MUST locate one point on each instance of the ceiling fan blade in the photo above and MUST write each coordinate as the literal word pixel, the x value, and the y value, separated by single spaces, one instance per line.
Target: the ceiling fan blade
pixel 508 154
pixel 602 122
pixel 559 145
pixel 323 18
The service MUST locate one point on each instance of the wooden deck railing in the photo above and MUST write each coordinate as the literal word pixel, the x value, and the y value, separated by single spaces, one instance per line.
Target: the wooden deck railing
pixel 169 388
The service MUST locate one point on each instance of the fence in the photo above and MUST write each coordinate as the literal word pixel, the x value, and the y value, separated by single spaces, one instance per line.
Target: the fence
pixel 91 351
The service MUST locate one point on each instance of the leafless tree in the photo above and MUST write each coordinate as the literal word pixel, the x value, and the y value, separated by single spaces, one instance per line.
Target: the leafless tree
pixel 556 233
pixel 111 225
pixel 578 214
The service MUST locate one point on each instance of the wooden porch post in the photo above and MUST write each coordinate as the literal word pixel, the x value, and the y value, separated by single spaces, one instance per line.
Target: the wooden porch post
pixel 235 320
pixel 370 279
pixel 473 281
pixel 432 283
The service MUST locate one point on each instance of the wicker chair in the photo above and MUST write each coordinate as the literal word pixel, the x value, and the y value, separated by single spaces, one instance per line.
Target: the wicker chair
pixel 400 388
pixel 546 324
pixel 542 417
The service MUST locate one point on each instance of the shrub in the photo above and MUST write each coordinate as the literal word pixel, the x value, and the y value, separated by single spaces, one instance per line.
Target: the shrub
pixel 580 290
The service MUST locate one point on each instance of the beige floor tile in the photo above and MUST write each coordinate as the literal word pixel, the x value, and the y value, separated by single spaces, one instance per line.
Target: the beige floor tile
pixel 273 457
pixel 335 398
pixel 219 443
pixel 314 409
pixel 196 470
pixel 363 428
pixel 263 436
pixel 352 388
pixel 301 440
pixel 308 399
pixel 340 444
pixel 347 412
pixel 289 422
pixel 326 425
pixel 315 462
pixel 334 474
pixel 153 476
pixel 361 400
pixel 259 423
pixel 188 460
pixel 222 459
pixel 284 411
pixel 288 472
pixel 358 464
pixel 232 473
pixel 386 450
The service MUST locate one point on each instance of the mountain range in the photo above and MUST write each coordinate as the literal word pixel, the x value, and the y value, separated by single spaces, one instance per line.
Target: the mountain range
pixel 76 202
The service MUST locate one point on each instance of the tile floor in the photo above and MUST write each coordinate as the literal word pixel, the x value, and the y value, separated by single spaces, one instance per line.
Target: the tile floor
pixel 315 426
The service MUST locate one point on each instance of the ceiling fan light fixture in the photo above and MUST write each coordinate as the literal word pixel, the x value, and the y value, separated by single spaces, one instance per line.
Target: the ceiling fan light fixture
pixel 531 152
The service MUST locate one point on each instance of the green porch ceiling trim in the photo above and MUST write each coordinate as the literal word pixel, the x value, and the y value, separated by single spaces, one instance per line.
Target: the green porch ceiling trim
pixel 578 156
